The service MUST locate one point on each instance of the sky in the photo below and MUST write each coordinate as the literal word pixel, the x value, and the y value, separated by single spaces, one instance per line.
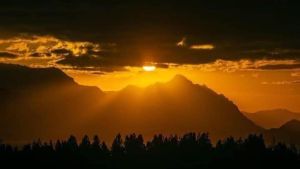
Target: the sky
pixel 247 50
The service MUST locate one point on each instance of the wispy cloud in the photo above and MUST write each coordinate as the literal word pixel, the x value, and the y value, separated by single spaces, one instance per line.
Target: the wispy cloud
pixel 280 66
pixel 203 47
pixel 285 82
pixel 247 65
pixel 295 74
pixel 182 42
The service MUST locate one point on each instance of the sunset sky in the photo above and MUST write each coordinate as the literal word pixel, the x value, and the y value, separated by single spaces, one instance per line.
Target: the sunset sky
pixel 249 51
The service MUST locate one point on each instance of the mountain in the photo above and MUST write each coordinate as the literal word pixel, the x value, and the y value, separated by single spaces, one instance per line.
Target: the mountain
pixel 41 102
pixel 287 133
pixel 176 106
pixel 46 103
pixel 272 118
pixel 17 76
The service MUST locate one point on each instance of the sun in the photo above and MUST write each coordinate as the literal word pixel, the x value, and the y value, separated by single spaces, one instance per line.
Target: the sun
pixel 149 68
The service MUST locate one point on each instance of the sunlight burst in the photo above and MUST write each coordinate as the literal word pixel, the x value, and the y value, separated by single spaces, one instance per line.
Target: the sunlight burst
pixel 149 68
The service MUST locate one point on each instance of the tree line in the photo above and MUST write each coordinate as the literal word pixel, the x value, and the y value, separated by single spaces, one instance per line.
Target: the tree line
pixel 192 150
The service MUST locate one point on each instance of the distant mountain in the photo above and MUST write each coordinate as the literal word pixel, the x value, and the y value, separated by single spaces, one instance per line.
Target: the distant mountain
pixel 46 103
pixel 287 133
pixel 272 118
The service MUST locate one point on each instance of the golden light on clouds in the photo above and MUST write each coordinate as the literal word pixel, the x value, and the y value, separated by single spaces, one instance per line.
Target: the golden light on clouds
pixel 45 45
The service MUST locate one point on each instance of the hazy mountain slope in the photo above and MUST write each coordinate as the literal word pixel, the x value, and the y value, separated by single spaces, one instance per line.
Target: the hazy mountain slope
pixel 272 118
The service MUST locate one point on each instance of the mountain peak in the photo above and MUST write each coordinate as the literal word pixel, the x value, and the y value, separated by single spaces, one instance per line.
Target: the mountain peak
pixel 180 79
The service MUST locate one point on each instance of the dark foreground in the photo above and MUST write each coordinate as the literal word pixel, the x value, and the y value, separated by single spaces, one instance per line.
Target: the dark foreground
pixel 189 151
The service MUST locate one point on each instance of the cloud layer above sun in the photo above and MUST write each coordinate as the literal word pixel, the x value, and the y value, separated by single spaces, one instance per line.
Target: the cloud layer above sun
pixel 105 36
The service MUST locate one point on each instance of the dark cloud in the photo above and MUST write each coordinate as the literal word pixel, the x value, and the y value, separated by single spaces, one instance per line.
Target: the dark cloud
pixel 62 52
pixel 149 30
pixel 161 65
pixel 96 69
pixel 8 55
pixel 280 67
pixel 36 54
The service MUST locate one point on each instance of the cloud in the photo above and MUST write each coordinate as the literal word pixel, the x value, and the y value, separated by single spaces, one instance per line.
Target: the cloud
pixel 20 47
pixel 246 65
pixel 295 74
pixel 182 42
pixel 8 55
pixel 280 67
pixel 282 82
pixel 47 51
pixel 45 45
pixel 95 70
pixel 203 47
pixel 129 33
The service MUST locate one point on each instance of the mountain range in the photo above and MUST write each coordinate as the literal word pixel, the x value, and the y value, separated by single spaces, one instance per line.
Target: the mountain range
pixel 272 118
pixel 46 103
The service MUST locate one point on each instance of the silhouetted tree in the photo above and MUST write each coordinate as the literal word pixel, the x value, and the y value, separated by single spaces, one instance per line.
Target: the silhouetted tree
pixel 71 144
pixel 189 151
pixel 85 143
pixel 117 151
pixel 134 145
pixel 96 143
pixel 58 146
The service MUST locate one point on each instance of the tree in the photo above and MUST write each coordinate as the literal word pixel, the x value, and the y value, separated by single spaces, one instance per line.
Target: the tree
pixel 72 144
pixel 117 148
pixel 85 143
pixel 96 143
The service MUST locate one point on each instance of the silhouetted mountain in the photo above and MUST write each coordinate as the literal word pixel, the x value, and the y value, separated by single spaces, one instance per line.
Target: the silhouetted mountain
pixel 293 125
pixel 287 133
pixel 176 106
pixel 17 76
pixel 46 103
pixel 41 102
pixel 272 118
